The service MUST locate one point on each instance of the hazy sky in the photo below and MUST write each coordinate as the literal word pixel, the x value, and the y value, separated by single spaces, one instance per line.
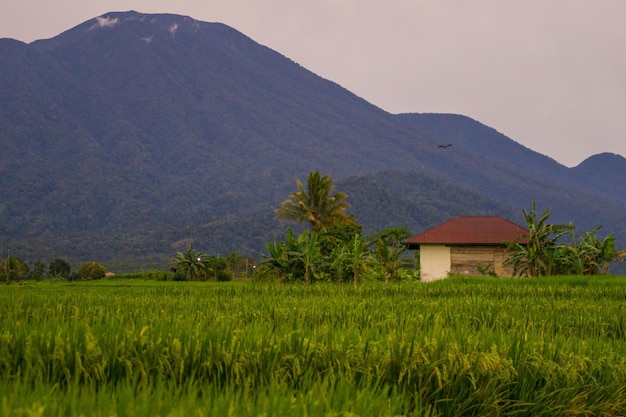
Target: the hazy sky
pixel 550 74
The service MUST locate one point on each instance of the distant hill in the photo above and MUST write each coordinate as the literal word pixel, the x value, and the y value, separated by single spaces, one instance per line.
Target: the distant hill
pixel 605 173
pixel 131 135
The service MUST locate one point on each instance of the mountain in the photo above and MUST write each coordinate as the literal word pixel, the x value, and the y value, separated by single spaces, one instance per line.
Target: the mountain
pixel 131 135
pixel 605 173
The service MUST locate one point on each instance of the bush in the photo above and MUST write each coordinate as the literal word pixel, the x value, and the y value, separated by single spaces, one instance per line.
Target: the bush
pixel 12 268
pixel 179 276
pixel 223 276
pixel 156 275
pixel 91 271
pixel 149 275
pixel 59 268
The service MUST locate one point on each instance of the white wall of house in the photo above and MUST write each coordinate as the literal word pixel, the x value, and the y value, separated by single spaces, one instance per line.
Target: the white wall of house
pixel 434 262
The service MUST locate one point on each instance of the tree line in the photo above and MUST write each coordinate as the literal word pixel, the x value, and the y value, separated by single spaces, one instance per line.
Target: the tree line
pixel 335 249
pixel 12 268
pixel 543 252
pixel 193 265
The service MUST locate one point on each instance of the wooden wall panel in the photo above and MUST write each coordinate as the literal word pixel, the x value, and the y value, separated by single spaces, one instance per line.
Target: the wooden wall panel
pixel 465 260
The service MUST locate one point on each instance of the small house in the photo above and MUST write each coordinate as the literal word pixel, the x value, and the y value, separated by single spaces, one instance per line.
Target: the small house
pixel 466 245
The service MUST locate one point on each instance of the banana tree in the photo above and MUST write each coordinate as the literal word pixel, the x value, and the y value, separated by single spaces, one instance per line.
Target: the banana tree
pixel 389 246
pixel 296 258
pixel 539 256
pixel 307 255
pixel 352 257
pixel 600 253
pixel 277 259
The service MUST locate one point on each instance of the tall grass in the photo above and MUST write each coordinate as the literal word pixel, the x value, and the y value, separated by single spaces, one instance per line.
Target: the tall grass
pixel 458 347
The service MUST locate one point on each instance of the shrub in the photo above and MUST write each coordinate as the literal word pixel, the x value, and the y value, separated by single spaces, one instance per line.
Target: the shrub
pixel 59 268
pixel 12 268
pixel 224 276
pixel 179 276
pixel 91 271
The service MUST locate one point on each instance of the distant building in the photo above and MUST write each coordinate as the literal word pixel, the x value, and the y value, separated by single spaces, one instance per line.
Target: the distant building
pixel 466 245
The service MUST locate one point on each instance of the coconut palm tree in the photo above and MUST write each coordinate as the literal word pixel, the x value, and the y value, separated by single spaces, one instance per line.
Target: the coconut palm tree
pixel 315 204
pixel 192 264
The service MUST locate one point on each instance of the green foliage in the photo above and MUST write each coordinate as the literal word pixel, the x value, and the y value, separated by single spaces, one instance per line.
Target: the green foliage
pixel 148 275
pixel 12 268
pixel 544 256
pixel 59 268
pixel 239 266
pixel 224 276
pixel 351 259
pixel 335 248
pixel 486 270
pixel 389 246
pixel 198 266
pixel 307 255
pixel 191 264
pixel 91 271
pixel 276 261
pixel 38 271
pixel 298 258
pixel 315 204
pixel 339 254
pixel 538 256
pixel 217 268
pixel 605 252
pixel 336 236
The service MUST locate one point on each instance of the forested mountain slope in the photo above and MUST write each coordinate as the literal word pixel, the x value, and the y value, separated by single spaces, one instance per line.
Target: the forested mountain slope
pixel 133 134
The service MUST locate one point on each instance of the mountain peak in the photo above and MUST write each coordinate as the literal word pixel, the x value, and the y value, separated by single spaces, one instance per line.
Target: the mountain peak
pixel 606 171
pixel 603 159
pixel 169 22
pixel 133 23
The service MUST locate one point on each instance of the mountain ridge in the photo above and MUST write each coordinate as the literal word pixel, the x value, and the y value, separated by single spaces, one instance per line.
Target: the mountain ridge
pixel 123 137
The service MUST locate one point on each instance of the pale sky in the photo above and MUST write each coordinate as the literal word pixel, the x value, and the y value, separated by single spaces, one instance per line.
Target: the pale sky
pixel 550 74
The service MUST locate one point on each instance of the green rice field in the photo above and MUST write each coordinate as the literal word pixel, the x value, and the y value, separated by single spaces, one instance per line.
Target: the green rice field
pixel 456 347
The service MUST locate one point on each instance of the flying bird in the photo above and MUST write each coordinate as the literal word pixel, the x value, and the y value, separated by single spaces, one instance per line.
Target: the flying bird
pixel 445 146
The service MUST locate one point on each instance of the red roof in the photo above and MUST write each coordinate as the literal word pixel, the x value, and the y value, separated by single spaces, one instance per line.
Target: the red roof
pixel 470 230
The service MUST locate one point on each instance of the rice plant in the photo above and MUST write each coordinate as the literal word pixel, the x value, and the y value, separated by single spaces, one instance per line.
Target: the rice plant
pixel 457 347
